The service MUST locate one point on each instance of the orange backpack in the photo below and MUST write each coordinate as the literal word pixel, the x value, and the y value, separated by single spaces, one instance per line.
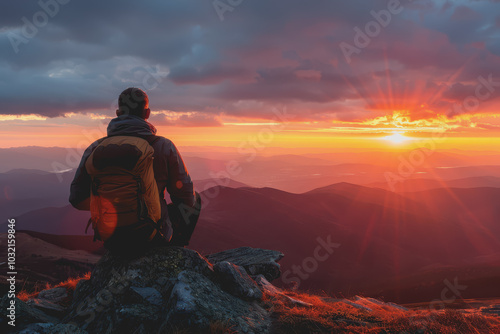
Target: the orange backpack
pixel 124 192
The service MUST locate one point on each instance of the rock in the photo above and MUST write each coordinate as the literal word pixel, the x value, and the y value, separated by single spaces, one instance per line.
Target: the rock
pixel 144 316
pixel 79 288
pixel 235 280
pixel 24 313
pixel 166 287
pixel 161 290
pixel 256 261
pixel 46 306
pixel 271 290
pixel 330 300
pixel 161 262
pixel 266 286
pixel 149 295
pixel 50 328
pixel 356 305
pixel 491 310
pixel 196 302
pixel 371 303
pixel 54 295
pixel 398 307
pixel 123 292
pixel 368 300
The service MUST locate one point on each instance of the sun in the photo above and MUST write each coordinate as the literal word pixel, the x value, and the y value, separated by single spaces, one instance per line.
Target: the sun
pixel 397 138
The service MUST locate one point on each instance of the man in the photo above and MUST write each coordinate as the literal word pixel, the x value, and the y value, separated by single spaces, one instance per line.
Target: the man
pixel 106 176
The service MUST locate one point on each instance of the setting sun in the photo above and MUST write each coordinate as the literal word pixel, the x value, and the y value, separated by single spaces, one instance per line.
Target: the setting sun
pixel 397 138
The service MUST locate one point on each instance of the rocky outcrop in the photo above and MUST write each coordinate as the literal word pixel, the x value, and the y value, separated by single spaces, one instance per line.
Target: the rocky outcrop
pixel 164 290
pixel 255 261
pixel 176 290
pixel 196 302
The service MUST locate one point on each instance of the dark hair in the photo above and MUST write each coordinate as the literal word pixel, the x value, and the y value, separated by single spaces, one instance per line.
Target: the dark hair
pixel 132 101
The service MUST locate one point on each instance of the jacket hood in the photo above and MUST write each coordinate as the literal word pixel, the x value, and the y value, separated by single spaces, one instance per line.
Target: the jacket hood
pixel 126 125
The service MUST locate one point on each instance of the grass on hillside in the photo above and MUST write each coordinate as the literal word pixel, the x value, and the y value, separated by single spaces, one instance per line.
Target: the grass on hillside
pixel 327 317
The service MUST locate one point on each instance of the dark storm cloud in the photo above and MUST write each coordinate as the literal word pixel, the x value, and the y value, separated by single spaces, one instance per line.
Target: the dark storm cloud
pixel 264 52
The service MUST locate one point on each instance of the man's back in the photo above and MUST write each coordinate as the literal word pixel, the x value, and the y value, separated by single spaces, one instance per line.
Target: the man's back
pixel 170 172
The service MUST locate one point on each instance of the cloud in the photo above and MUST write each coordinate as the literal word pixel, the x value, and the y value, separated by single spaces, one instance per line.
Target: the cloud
pixel 186 119
pixel 263 55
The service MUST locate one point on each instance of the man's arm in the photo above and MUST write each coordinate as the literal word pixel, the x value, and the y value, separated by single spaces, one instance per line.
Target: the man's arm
pixel 185 208
pixel 79 195
pixel 179 184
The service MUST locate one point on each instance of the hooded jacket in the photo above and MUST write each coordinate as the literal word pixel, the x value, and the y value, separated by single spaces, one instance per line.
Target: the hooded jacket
pixel 169 169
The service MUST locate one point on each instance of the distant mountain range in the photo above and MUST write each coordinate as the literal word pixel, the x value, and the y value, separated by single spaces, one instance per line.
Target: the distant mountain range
pixel 45 158
pixel 384 241
pixel 382 236
pixel 426 184
pixel 289 172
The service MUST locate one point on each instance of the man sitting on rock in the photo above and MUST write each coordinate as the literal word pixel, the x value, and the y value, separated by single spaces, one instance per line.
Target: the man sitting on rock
pixel 122 179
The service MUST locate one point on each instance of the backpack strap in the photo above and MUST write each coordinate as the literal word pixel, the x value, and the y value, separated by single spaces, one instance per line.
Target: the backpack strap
pixel 96 232
pixel 88 224
pixel 152 139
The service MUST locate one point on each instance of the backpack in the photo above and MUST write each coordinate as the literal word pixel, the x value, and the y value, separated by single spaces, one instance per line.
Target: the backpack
pixel 124 194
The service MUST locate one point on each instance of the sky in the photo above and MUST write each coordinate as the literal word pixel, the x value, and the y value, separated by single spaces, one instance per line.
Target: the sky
pixel 282 73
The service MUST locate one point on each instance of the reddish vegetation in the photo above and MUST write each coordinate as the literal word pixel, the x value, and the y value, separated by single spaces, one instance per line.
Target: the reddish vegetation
pixel 69 284
pixel 326 317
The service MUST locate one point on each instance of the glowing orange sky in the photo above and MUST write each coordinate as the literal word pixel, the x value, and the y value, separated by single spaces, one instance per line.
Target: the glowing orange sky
pixel 80 130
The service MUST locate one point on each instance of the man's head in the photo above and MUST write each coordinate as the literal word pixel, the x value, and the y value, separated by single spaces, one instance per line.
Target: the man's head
pixel 133 101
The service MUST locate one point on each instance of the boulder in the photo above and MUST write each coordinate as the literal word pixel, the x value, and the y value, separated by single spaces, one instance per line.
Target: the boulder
pixel 148 295
pixel 196 303
pixel 277 293
pixel 46 306
pixel 256 261
pixel 54 295
pixel 125 292
pixel 235 280
pixel 167 288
